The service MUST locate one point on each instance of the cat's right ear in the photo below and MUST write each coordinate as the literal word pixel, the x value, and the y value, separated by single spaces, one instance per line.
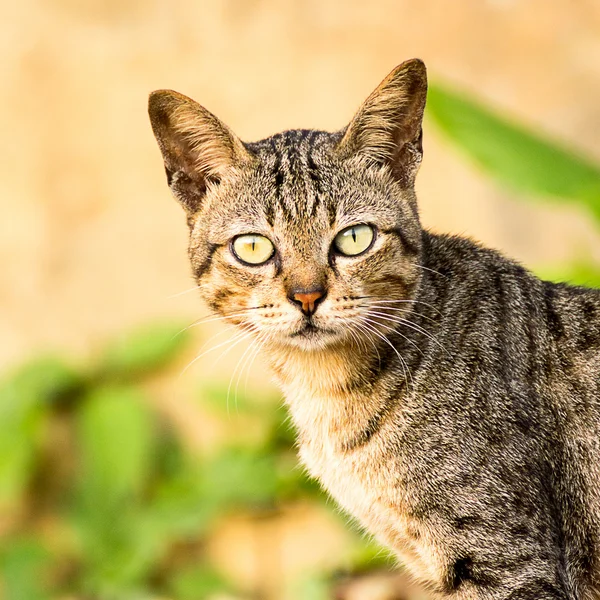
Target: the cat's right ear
pixel 198 149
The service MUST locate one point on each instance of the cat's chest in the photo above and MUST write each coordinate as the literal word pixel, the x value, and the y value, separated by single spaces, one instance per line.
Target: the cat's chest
pixel 358 479
pixel 368 480
pixel 333 448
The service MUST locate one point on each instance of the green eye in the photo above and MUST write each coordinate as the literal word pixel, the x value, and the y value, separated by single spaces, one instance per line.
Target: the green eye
pixel 354 240
pixel 252 249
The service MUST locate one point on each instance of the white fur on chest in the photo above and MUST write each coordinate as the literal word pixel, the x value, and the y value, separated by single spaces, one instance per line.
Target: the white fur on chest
pixel 353 481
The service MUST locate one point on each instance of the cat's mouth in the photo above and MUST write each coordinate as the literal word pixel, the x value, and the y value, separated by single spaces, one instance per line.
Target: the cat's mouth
pixel 310 331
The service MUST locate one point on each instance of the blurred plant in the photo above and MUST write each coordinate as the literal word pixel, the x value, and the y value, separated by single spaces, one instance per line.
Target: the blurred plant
pixel 513 154
pixel 522 160
pixel 98 497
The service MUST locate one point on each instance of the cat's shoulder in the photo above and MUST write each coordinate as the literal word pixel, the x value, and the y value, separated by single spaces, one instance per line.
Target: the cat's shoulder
pixel 460 256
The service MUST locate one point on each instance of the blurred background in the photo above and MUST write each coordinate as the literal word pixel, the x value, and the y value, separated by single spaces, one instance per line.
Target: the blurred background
pixel 130 470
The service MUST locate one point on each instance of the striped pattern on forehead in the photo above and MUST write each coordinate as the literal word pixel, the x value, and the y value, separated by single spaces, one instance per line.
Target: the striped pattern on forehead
pixel 292 162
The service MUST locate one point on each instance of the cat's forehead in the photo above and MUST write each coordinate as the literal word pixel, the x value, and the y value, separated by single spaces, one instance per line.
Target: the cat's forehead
pixel 294 169
pixel 305 182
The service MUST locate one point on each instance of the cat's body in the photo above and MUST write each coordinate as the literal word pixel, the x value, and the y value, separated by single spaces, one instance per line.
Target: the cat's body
pixel 446 397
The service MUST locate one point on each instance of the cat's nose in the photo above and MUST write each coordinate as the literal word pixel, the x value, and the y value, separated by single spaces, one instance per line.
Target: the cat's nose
pixel 308 299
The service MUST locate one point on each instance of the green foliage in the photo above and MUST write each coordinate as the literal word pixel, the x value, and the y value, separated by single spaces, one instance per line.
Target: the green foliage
pixel 133 493
pixel 512 154
pixel 523 160
pixel 193 583
pixel 314 586
pixel 25 399
pixel 24 569
pixel 115 438
pixel 580 272
pixel 118 538
pixel 241 477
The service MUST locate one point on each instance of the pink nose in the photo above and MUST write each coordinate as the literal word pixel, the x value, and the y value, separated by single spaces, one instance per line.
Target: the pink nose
pixel 308 300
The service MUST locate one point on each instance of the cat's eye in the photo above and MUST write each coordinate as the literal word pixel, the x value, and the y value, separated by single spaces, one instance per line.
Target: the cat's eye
pixel 252 249
pixel 354 240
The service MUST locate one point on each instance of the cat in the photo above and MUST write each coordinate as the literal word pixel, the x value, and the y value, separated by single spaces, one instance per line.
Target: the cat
pixel 444 396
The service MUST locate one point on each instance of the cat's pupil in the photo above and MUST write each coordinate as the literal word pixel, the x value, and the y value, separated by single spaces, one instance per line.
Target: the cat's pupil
pixel 353 235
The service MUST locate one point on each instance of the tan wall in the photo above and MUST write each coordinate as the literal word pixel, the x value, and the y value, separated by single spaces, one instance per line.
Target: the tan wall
pixel 90 240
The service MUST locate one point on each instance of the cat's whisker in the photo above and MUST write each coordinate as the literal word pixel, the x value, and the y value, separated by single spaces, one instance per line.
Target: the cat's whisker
pixel 208 319
pixel 402 301
pixel 387 341
pixel 262 343
pixel 358 340
pixel 257 346
pixel 429 269
pixel 197 287
pixel 239 365
pixel 236 338
pixel 385 318
pixel 212 337
pixel 223 316
pixel 411 325
pixel 357 325
pixel 217 318
pixel 394 308
pixel 424 332
pixel 361 327
pixel 249 334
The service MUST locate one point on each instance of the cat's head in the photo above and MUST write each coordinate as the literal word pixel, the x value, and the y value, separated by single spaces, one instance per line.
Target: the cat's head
pixel 307 238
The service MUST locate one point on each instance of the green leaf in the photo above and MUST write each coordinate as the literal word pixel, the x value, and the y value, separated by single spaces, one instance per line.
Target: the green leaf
pixel 241 477
pixel 192 583
pixel 116 435
pixel 179 506
pixel 143 351
pixel 513 154
pixel 25 399
pixel 116 442
pixel 581 272
pixel 44 380
pixel 23 570
pixel 119 554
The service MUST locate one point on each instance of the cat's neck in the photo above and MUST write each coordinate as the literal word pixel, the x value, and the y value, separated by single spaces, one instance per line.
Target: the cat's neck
pixel 330 371
pixel 332 393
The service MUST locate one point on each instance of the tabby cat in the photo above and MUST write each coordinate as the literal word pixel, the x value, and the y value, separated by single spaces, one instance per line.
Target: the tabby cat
pixel 445 396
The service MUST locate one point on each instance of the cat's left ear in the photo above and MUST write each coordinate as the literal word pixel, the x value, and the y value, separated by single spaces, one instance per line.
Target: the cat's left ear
pixel 198 149
pixel 386 130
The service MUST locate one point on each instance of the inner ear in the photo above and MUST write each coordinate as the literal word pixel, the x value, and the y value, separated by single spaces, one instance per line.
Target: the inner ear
pixel 387 129
pixel 198 149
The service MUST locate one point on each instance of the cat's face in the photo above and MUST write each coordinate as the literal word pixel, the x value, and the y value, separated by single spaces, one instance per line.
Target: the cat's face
pixel 307 239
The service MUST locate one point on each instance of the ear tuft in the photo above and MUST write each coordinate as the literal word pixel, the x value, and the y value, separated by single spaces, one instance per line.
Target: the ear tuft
pixel 386 130
pixel 197 148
